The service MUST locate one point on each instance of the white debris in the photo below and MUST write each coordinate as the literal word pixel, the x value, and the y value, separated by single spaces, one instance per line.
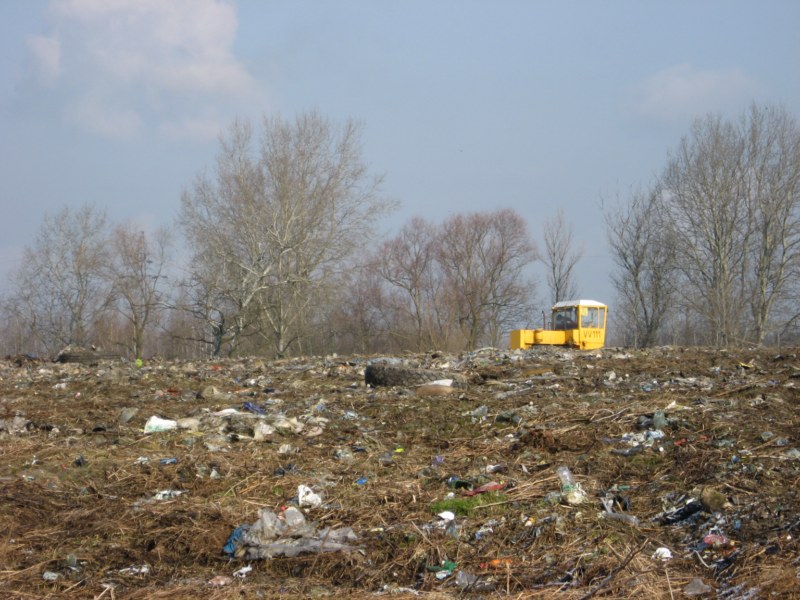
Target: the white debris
pixel 307 498
pixel 167 494
pixel 242 573
pixel 155 424
pixel 662 554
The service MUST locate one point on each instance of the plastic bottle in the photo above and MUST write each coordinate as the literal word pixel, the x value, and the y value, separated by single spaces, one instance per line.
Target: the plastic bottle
pixel 624 518
pixel 567 480
pixel 571 491
pixel 660 420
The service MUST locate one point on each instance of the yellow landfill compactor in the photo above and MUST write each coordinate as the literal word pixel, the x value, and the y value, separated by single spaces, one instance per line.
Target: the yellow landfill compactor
pixel 575 323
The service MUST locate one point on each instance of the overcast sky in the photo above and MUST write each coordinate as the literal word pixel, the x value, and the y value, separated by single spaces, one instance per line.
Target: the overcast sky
pixel 467 106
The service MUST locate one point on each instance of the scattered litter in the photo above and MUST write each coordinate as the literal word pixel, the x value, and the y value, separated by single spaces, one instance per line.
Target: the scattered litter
pixel 492 486
pixel 243 572
pixel 155 424
pixel 631 520
pixel 250 407
pixel 262 431
pixel 697 587
pixel 167 494
pixel 717 540
pixel 498 563
pixel 571 491
pixel 343 454
pixel 288 534
pixel 466 476
pixel 286 469
pixel 479 413
pixel 234 539
pixel 307 498
pixel 225 412
pixel 662 554
pixel 485 530
pixel 443 570
pixel 396 590
pixel 135 570
pixel 458 483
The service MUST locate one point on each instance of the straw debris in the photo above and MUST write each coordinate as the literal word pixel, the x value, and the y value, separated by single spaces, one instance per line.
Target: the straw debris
pixel 689 460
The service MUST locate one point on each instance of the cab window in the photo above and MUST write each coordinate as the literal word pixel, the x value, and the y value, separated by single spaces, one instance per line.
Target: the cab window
pixel 593 317
pixel 565 318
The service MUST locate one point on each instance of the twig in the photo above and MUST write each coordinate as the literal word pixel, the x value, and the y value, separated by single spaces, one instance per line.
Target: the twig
pixel 36 566
pixel 669 584
pixel 74 585
pixel 611 416
pixel 613 573
pixel 738 389
pixel 700 558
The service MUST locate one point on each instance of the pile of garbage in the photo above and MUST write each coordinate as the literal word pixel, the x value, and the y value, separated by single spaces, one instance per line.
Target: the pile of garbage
pixel 666 472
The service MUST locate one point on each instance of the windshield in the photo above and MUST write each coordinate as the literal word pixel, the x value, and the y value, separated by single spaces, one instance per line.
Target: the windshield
pixel 565 318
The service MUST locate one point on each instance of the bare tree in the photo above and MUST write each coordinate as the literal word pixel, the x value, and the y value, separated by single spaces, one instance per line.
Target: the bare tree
pixel 707 213
pixel 273 226
pixel 357 317
pixel 560 258
pixel 730 200
pixel 644 256
pixel 483 257
pixel 60 290
pixel 136 272
pixel 407 264
pixel 772 177
pixel 207 294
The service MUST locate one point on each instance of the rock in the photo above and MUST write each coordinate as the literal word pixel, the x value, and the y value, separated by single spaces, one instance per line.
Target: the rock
pixel 432 389
pixel 212 393
pixel 713 500
pixel 697 587
pixel 189 423
pixel 127 414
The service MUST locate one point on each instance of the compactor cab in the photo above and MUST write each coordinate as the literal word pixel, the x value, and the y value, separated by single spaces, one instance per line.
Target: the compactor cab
pixel 575 323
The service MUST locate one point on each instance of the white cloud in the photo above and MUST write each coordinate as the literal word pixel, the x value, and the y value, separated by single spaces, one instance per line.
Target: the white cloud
pixel 137 62
pixel 47 57
pixel 100 116
pixel 683 91
pixel 192 128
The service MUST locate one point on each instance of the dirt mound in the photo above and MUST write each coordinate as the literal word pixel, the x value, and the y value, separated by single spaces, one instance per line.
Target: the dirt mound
pixel 294 478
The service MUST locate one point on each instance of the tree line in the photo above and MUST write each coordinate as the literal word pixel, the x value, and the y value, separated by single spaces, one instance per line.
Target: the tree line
pixel 279 259
pixel 280 256
pixel 709 253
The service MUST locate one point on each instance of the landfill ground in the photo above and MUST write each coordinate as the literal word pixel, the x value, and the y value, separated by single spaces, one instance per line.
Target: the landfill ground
pixel 686 464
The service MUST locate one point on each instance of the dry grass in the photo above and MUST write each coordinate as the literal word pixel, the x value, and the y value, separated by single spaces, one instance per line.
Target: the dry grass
pixel 77 492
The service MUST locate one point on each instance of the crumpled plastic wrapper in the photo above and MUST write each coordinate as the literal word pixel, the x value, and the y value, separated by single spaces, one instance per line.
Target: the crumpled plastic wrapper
pixel 287 534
